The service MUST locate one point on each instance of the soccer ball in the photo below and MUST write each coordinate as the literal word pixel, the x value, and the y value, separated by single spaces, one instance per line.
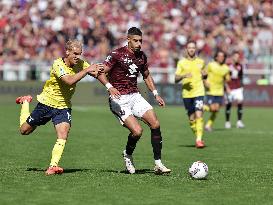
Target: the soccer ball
pixel 199 170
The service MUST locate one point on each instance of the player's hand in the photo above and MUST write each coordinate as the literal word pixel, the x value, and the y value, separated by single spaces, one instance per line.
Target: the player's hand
pixel 204 72
pixel 160 101
pixel 114 93
pixel 228 91
pixel 187 75
pixel 95 69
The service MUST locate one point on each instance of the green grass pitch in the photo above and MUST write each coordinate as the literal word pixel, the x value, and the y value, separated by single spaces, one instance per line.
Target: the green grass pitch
pixel 240 161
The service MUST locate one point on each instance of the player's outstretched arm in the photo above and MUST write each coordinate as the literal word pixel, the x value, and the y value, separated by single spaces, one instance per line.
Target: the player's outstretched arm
pixel 93 70
pixel 227 79
pixel 103 79
pixel 178 78
pixel 151 86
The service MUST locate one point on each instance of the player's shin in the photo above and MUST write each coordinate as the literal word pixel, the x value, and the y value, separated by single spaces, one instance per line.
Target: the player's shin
pixel 227 112
pixel 193 126
pixel 156 141
pixel 57 152
pixel 24 112
pixel 211 119
pixel 131 144
pixel 199 128
pixel 240 111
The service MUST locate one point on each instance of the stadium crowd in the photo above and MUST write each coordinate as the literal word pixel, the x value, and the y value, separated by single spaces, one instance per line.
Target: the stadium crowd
pixel 37 29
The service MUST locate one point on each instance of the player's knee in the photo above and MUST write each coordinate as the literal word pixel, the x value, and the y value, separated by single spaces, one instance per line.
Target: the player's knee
pixel 137 132
pixel 24 131
pixel 215 110
pixel 155 124
pixel 62 135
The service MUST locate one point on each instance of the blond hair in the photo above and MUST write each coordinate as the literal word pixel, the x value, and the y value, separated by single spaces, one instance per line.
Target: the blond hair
pixel 73 43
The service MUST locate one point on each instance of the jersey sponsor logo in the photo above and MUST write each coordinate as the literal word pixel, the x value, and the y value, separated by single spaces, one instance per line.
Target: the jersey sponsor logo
pixel 133 70
pixel 234 73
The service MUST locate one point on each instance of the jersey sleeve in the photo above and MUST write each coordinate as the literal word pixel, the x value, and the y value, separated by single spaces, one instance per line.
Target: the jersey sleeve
pixel 227 74
pixel 110 60
pixel 208 67
pixel 59 70
pixel 179 68
pixel 85 64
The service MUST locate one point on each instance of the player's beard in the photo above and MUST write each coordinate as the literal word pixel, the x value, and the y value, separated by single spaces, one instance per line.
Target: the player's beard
pixel 75 61
pixel 191 56
pixel 137 50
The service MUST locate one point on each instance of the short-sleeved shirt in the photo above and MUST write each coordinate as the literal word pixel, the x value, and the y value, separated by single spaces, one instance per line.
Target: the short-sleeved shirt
pixel 236 76
pixel 193 86
pixel 56 93
pixel 125 67
pixel 217 75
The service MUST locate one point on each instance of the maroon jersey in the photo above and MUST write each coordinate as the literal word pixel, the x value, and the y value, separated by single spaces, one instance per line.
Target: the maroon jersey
pixel 125 68
pixel 236 74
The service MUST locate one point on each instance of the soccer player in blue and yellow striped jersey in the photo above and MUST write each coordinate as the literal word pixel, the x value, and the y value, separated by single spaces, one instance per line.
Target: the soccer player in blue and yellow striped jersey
pixel 54 103
pixel 190 70
pixel 217 76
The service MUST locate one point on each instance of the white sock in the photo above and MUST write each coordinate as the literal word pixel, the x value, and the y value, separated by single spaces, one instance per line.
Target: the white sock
pixel 158 162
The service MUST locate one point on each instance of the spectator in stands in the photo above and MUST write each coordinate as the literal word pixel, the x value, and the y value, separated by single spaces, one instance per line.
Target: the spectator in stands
pixel 31 29
pixel 263 80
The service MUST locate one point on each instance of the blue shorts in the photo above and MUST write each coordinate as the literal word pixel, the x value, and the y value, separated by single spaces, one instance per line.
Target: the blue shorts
pixel 193 104
pixel 211 99
pixel 43 113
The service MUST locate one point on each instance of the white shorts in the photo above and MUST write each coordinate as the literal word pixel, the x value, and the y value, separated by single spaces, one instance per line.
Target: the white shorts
pixel 235 95
pixel 130 104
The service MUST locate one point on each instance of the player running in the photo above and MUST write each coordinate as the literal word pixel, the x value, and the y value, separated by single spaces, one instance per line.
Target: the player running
pixel 54 103
pixel 190 70
pixel 236 91
pixel 218 75
pixel 123 66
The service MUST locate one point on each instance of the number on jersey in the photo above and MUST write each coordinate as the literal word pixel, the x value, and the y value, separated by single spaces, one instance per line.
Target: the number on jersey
pixel 199 104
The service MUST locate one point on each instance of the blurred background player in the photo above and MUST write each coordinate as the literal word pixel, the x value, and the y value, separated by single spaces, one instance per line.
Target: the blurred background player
pixel 54 103
pixel 236 91
pixel 123 66
pixel 217 76
pixel 190 72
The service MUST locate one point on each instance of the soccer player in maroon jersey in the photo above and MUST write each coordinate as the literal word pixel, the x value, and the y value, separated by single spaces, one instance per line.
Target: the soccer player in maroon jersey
pixel 123 66
pixel 236 91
